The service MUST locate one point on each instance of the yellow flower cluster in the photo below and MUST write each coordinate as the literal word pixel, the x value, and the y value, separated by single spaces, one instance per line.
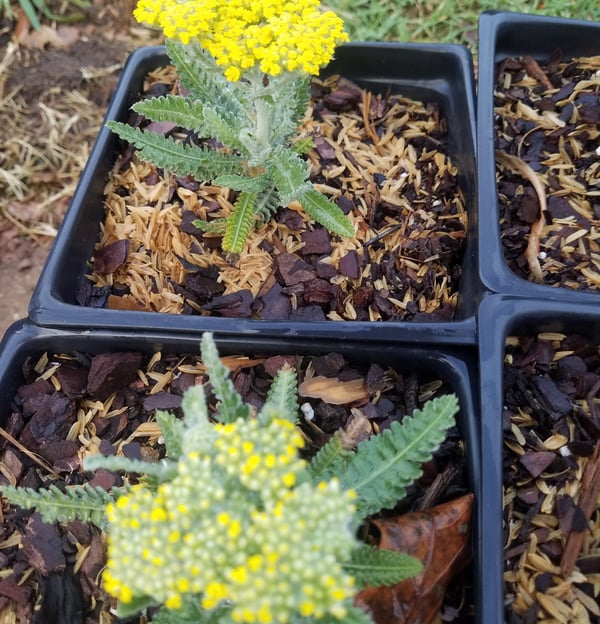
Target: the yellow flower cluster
pixel 276 35
pixel 233 525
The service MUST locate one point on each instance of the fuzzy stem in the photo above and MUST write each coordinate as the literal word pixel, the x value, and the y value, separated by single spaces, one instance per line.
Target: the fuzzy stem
pixel 263 123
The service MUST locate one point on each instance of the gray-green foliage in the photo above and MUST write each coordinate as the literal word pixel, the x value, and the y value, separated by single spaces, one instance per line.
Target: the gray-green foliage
pixel 256 122
pixel 379 470
pixel 55 505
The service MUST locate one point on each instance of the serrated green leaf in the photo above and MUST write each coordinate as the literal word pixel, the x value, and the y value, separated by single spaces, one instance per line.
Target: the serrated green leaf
pixel 303 145
pixel 289 111
pixel 383 466
pixel 289 174
pixel 239 223
pixel 217 226
pixel 172 429
pixel 184 112
pixel 201 163
pixel 225 128
pixel 377 566
pixel 196 69
pixel 204 79
pixel 267 203
pixel 231 406
pixel 83 502
pixel 282 397
pixel 163 470
pixel 195 408
pixel 246 184
pixel 127 609
pixel 331 459
pixel 325 212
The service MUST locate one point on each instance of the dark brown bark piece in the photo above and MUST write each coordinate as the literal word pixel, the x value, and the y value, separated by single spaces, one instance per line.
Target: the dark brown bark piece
pixel 73 380
pixel 293 269
pixel 42 545
pixel 275 304
pixel 350 264
pixel 109 258
pixel 234 305
pixel 110 372
pixel 317 241
pixel 536 462
pixel 162 401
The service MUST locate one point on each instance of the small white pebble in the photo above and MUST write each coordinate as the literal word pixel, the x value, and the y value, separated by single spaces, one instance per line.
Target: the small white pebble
pixel 308 411
pixel 598 151
pixel 436 202
pixel 542 255
pixel 564 451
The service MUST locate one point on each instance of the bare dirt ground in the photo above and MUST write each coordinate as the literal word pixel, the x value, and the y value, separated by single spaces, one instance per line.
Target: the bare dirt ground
pixel 55 85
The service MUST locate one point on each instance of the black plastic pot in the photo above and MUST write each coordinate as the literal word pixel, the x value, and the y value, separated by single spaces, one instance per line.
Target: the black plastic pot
pixel 455 367
pixel 503 35
pixel 435 73
pixel 500 316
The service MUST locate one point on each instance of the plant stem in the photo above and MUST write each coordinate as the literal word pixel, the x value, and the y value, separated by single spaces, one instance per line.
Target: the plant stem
pixel 259 95
pixel 263 122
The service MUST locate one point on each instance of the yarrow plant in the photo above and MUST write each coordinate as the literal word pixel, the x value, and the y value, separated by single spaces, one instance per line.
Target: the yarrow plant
pixel 245 71
pixel 234 526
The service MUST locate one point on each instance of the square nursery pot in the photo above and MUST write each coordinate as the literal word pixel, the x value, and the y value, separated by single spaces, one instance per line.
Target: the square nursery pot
pixel 540 106
pixel 428 370
pixel 439 75
pixel 540 407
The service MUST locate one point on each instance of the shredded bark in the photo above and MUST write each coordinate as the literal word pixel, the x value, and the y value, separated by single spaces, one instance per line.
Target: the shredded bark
pixel 551 482
pixel 547 117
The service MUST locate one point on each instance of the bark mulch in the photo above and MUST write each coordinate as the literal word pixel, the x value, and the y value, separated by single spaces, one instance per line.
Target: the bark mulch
pixel 552 479
pixel 547 124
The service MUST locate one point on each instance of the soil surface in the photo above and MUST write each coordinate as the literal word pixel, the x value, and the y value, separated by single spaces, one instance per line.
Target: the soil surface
pixel 55 85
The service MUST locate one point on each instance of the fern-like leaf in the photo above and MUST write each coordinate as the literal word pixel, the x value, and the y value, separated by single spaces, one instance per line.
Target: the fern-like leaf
pixel 383 466
pixel 245 184
pixel 82 502
pixel 194 407
pixel 204 79
pixel 239 223
pixel 184 112
pixel 267 203
pixel 289 174
pixel 282 398
pixel 377 566
pixel 331 459
pixel 217 226
pixel 172 429
pixel 161 471
pixel 225 128
pixel 231 406
pixel 325 212
pixel 303 145
pixel 201 163
pixel 288 112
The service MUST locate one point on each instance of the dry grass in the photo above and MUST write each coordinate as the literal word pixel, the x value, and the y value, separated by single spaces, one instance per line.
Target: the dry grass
pixel 44 147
